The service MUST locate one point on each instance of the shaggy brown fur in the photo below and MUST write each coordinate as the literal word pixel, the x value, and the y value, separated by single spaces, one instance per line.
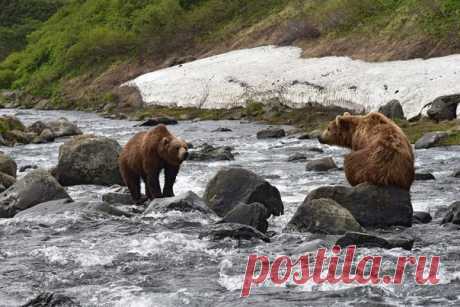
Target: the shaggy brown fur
pixel 381 152
pixel 145 155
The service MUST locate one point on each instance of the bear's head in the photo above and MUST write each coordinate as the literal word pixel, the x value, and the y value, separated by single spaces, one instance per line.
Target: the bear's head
pixel 340 131
pixel 173 150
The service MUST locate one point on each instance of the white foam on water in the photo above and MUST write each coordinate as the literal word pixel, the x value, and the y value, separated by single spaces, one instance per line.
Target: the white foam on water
pixel 232 78
pixel 63 256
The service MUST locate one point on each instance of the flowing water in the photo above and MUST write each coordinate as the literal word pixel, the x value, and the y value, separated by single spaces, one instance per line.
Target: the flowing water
pixel 158 260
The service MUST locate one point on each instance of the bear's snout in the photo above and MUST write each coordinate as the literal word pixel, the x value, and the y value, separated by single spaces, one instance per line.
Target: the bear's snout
pixel 185 157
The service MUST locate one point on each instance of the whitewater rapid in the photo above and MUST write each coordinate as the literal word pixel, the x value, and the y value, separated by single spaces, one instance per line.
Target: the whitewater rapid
pixel 234 78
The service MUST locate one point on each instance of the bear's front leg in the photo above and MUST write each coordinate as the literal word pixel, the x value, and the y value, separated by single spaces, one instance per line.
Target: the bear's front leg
pixel 170 177
pixel 153 185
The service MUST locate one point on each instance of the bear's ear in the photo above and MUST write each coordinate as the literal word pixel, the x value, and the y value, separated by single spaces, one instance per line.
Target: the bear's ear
pixel 165 142
pixel 343 122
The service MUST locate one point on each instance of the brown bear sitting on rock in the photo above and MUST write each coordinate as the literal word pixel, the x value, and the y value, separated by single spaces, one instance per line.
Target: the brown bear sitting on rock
pixel 145 155
pixel 381 153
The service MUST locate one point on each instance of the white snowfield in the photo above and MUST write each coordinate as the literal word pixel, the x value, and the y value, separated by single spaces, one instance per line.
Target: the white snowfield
pixel 234 78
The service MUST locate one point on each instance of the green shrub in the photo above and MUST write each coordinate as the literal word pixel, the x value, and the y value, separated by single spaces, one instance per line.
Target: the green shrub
pixel 6 78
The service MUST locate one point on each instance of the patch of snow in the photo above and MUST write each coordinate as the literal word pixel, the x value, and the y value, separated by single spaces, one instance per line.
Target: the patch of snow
pixel 233 78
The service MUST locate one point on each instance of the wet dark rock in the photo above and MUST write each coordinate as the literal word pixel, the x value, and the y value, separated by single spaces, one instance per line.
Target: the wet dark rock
pixel 271 133
pixel 254 215
pixel 51 300
pixel 232 230
pixel 444 108
pixel 69 207
pixel 6 180
pixel 122 198
pixel 297 157
pixel 372 206
pixel 8 165
pixel 321 165
pixel 154 121
pixel 424 176
pixel 37 127
pixel 88 159
pixel 370 241
pixel 315 149
pixel 46 136
pixel 36 187
pixel 208 152
pixel 453 214
pixel 392 109
pixel 222 129
pixel 63 127
pixel 421 217
pixel 18 136
pixel 232 186
pixel 185 202
pixel 431 139
pixel 24 168
pixel 323 216
pixel 456 174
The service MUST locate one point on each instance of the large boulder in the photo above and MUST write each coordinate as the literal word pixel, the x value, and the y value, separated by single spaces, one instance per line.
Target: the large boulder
pixel 372 206
pixel 8 165
pixel 271 133
pixel 323 216
pixel 254 215
pixel 392 109
pixel 88 159
pixel 232 186
pixel 185 202
pixel 431 139
pixel 46 136
pixel 63 127
pixel 35 188
pixel 444 108
pixel 208 152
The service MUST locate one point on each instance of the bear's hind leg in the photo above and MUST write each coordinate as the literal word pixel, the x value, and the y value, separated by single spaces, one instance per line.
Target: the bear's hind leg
pixel 152 185
pixel 357 167
pixel 133 182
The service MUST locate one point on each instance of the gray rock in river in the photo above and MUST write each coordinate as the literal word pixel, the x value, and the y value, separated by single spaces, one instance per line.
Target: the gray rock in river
pixel 46 136
pixel 444 108
pixel 69 207
pixel 424 176
pixel 165 120
pixel 453 214
pixel 254 215
pixel 321 165
pixel 271 133
pixel 48 299
pixel 372 206
pixel 8 165
pixel 392 109
pixel 208 152
pixel 63 127
pixel 36 187
pixel 431 139
pixel 232 186
pixel 421 217
pixel 368 240
pixel 323 216
pixel 232 230
pixel 88 159
pixel 122 198
pixel 185 202
pixel 456 174
pixel 297 157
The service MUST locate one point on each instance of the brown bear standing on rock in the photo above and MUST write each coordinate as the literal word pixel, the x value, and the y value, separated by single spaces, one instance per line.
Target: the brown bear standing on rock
pixel 381 153
pixel 145 155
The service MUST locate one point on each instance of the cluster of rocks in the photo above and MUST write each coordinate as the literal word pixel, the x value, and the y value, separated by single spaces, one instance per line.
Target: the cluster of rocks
pixel 14 132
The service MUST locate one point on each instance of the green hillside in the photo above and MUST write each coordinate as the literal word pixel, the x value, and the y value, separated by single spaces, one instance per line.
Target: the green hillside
pixel 83 50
